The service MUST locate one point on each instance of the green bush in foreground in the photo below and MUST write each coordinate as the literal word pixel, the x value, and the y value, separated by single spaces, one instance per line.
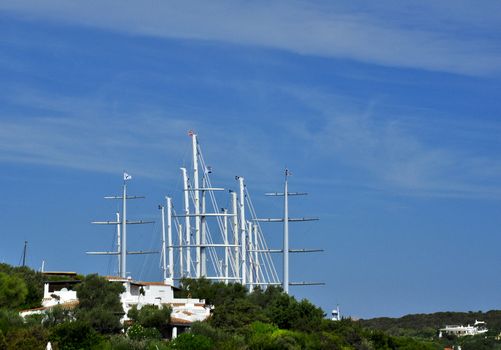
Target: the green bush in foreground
pixel 189 341
pixel 74 335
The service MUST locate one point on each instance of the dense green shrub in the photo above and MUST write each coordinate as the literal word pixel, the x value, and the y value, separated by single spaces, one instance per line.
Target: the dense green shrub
pixel 138 332
pixel 13 291
pixel 74 335
pixel 33 281
pixel 151 316
pixel 99 304
pixel 32 338
pixel 189 341
pixel 10 319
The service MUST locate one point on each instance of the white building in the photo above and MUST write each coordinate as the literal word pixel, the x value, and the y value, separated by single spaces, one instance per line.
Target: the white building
pixel 137 293
pixel 478 327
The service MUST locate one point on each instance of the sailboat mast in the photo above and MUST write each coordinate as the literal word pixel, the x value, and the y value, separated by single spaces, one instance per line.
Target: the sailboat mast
pixel 243 240
pixel 203 232
pixel 256 259
pixel 181 257
pixel 123 245
pixel 226 247
pixel 187 224
pixel 169 240
pixel 250 244
pixel 164 260
pixel 286 237
pixel 118 243
pixel 197 203
pixel 235 233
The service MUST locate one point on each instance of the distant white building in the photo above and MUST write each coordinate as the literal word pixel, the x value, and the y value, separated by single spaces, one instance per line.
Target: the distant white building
pixel 478 327
pixel 137 293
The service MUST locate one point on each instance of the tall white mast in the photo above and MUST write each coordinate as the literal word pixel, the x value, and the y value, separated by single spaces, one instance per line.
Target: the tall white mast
pixel 196 193
pixel 119 240
pixel 164 260
pixel 169 241
pixel 251 248
pixel 186 224
pixel 234 211
pixel 123 245
pixel 285 250
pixel 242 229
pixel 256 247
pixel 285 282
pixel 203 233
pixel 181 257
pixel 226 248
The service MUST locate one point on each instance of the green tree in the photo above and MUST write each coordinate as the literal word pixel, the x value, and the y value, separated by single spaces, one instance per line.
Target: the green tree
pixel 189 341
pixel 56 315
pixel 138 332
pixel 74 336
pixel 151 316
pixel 3 342
pixel 222 340
pixel 214 293
pixel 236 314
pixel 33 281
pixel 13 291
pixel 9 319
pixel 33 338
pixel 99 303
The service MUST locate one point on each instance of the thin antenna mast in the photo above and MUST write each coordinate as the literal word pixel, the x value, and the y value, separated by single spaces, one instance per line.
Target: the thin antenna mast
pixel 24 252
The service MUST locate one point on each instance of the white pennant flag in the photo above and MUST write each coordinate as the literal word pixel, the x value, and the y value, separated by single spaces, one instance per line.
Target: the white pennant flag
pixel 127 176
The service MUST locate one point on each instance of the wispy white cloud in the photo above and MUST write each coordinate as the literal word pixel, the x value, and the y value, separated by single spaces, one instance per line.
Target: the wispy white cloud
pixel 459 38
pixel 393 155
pixel 85 133
pixel 389 153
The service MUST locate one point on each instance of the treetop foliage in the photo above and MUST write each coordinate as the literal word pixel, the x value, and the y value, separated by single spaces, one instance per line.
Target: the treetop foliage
pixel 99 303
pixel 257 320
pixel 33 282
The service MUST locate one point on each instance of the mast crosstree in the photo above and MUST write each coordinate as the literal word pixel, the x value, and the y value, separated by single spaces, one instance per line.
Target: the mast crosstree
pixel 210 241
pixel 121 224
pixel 286 219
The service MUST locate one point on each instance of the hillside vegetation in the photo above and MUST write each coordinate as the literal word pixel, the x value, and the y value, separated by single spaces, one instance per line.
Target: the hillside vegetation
pixel 427 325
pixel 261 319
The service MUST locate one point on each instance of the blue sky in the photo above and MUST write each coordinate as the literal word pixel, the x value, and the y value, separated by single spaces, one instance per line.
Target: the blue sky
pixel 387 113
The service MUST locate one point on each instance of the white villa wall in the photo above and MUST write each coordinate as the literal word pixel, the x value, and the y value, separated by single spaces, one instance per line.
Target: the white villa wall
pixel 136 294
pixel 62 296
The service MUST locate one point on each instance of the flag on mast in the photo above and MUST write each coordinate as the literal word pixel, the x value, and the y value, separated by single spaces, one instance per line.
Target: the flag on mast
pixel 127 176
